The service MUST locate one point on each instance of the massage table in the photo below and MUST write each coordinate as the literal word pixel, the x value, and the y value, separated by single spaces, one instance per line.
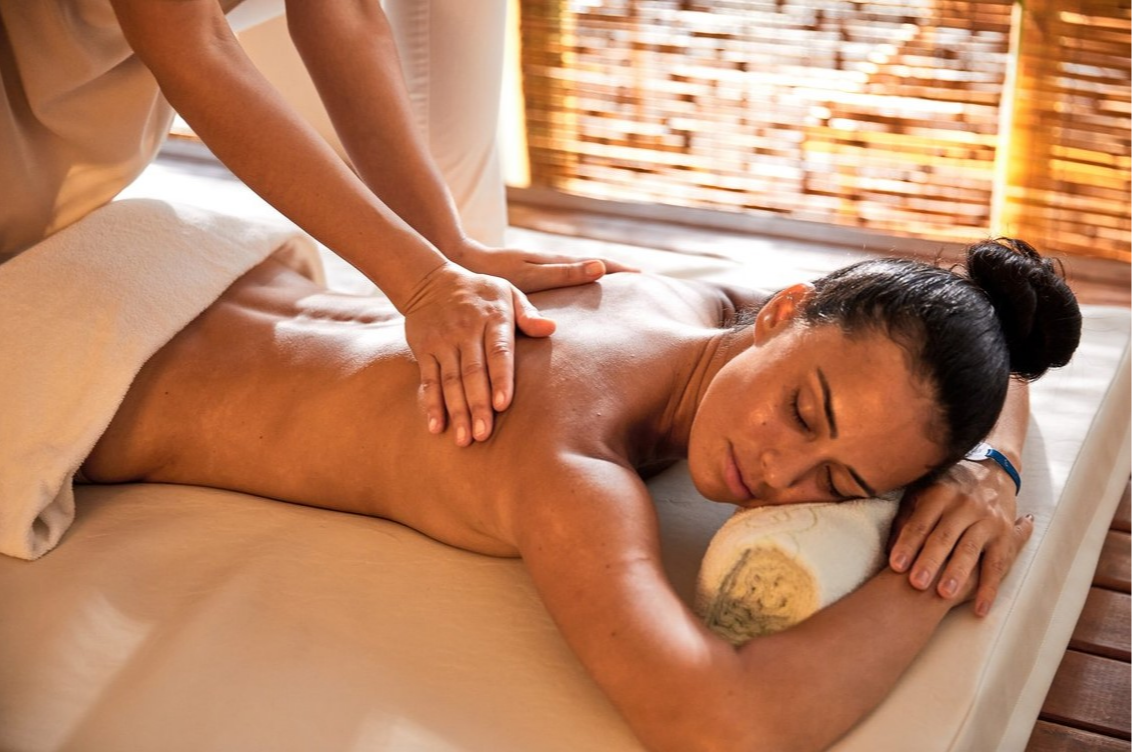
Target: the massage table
pixel 171 618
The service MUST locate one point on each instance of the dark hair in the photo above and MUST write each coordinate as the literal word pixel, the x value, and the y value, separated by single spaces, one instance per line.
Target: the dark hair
pixel 1007 312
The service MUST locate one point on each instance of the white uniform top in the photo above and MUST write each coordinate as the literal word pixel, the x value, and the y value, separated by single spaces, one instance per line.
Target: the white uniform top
pixel 80 115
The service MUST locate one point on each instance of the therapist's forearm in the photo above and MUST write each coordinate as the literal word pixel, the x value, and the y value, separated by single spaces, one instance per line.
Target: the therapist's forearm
pixel 350 52
pixel 209 80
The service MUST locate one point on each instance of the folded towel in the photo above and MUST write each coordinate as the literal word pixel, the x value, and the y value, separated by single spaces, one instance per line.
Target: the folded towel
pixel 80 313
pixel 769 568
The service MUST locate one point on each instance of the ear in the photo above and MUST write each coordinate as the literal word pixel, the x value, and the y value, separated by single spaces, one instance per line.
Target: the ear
pixel 782 309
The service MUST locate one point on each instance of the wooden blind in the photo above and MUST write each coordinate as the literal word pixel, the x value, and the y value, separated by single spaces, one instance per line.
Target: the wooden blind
pixel 1068 160
pixel 883 114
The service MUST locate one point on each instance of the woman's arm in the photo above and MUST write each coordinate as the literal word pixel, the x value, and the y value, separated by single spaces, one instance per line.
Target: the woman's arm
pixel 964 523
pixel 592 548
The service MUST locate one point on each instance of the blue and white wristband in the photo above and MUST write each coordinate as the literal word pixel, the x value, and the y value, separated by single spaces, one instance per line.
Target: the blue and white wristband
pixel 984 451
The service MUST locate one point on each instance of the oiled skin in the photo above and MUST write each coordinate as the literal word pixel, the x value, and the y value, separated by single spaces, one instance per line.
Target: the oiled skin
pixel 283 390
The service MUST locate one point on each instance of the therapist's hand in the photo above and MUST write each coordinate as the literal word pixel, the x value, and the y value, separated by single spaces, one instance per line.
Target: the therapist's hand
pixel 461 327
pixel 531 271
pixel 962 526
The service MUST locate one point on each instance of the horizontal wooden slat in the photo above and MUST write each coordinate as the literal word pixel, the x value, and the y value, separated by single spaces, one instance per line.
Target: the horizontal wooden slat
pixel 1114 565
pixel 1090 693
pixel 848 114
pixel 1052 737
pixel 1071 129
pixel 882 115
pixel 1103 627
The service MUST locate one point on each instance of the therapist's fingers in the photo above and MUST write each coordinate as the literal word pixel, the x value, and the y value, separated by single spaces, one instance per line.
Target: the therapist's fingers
pixel 528 320
pixel 547 276
pixel 432 395
pixel 476 383
pixel 614 267
pixel 452 321
pixel 535 271
pixel 489 373
pixel 452 385
pixel 499 347
pixel 546 273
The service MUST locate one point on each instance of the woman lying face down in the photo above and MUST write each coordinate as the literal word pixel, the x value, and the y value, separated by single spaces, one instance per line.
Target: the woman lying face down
pixel 873 378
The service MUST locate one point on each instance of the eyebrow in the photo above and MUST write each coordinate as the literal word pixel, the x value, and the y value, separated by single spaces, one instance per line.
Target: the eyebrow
pixel 829 409
pixel 826 404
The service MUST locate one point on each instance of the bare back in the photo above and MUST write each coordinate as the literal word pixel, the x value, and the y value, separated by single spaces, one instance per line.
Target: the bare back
pixel 283 390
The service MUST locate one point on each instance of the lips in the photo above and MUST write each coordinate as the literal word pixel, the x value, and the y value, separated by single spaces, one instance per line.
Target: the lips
pixel 734 478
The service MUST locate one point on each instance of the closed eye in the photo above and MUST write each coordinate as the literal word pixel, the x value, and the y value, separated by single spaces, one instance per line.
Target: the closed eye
pixel 839 495
pixel 797 414
pixel 830 487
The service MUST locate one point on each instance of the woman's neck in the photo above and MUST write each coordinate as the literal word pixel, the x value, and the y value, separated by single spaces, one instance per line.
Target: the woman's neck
pixel 712 353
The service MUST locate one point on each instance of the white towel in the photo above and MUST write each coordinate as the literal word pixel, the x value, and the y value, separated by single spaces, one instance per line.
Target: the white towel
pixel 769 568
pixel 80 313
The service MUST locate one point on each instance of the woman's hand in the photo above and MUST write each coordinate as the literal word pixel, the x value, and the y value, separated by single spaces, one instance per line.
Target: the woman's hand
pixel 532 272
pixel 461 328
pixel 964 521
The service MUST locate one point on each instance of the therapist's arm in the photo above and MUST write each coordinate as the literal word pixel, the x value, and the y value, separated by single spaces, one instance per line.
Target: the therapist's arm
pixel 349 50
pixel 460 325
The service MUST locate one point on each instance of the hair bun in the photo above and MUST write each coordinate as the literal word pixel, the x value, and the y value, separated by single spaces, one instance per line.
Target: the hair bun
pixel 1037 311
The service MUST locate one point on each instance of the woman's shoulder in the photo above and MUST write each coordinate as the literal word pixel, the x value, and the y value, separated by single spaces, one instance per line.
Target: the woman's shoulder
pixel 688 301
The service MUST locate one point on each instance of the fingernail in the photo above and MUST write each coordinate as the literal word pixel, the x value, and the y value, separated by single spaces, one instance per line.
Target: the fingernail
pixel 461 435
pixel 982 608
pixel 921 578
pixel 949 587
pixel 594 268
pixel 1030 517
pixel 501 400
pixel 434 425
pixel 480 429
pixel 901 562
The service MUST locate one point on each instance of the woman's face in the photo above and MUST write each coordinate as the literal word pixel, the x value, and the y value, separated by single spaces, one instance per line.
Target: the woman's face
pixel 809 414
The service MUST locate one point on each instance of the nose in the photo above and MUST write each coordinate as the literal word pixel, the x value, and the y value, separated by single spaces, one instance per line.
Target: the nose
pixel 782 470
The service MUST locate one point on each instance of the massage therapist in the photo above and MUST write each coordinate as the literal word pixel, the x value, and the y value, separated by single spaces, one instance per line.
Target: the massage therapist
pixel 89 92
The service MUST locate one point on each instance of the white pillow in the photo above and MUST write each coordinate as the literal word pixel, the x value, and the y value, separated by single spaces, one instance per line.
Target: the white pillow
pixel 769 568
